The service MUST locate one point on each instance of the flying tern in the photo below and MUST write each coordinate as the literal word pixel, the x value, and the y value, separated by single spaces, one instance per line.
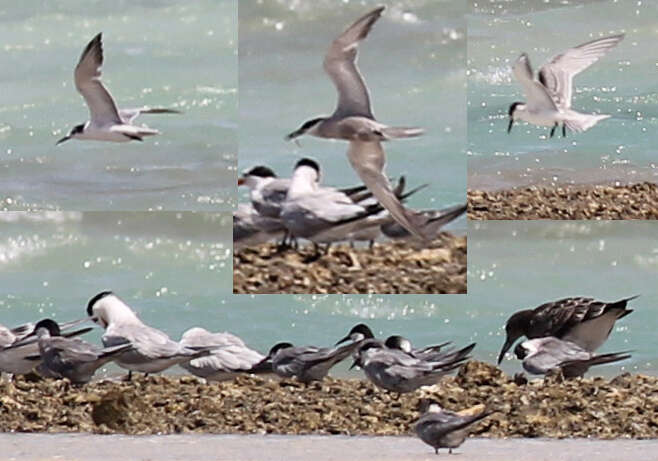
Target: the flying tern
pixel 354 121
pixel 549 95
pixel 107 122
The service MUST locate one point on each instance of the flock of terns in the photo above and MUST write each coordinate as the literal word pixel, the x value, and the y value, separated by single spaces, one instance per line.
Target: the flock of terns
pixel 561 335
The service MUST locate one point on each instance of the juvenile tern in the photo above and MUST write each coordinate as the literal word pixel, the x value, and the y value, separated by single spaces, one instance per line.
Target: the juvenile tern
pixel 107 122
pixel 431 222
pixel 396 371
pixel 19 350
pixel 74 359
pixel 584 321
pixel 441 428
pixel 229 356
pixel 152 350
pixel 354 121
pixel 307 363
pixel 542 355
pixel 549 95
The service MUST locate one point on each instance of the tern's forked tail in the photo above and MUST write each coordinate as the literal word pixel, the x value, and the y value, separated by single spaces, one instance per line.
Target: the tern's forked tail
pixel 578 122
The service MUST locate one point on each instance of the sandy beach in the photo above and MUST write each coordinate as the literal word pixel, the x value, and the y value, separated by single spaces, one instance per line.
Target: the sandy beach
pixel 73 447
pixel 634 201
pixel 389 267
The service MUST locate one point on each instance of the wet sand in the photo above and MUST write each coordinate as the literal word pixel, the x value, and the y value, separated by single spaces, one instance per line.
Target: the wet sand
pixel 73 447
pixel 634 201
pixel 389 267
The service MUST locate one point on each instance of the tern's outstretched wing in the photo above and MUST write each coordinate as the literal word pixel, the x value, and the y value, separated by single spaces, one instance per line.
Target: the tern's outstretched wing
pixel 558 73
pixel 340 64
pixel 369 160
pixel 87 76
pixel 537 96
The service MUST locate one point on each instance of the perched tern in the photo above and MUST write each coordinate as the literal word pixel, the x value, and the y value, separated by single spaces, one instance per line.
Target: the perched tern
pixel 397 371
pixel 584 321
pixel 107 122
pixel 307 363
pixel 74 359
pixel 432 353
pixel 309 210
pixel 251 228
pixel 434 220
pixel 542 355
pixel 229 356
pixel 267 192
pixel 549 95
pixel 153 351
pixel 354 121
pixel 19 349
pixel 441 428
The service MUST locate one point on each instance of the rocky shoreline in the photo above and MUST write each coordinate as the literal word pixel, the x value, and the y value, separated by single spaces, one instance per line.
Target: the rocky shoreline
pixel 389 267
pixel 626 406
pixel 634 201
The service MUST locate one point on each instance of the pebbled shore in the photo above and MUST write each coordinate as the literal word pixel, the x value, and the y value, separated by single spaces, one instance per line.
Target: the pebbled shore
pixel 635 201
pixel 626 406
pixel 389 267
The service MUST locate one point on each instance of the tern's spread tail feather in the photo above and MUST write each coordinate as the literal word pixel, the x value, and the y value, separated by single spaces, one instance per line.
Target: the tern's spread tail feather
pixel 578 122
pixel 392 132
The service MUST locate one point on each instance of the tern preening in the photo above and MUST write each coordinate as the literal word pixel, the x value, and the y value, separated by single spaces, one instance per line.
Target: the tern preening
pixel 584 321
pixel 354 121
pixel 548 97
pixel 106 122
pixel 153 351
pixel 543 355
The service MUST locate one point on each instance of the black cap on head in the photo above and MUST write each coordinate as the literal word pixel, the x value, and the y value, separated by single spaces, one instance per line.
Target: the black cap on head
pixel 398 342
pixel 277 347
pixel 93 300
pixel 520 351
pixel 261 171
pixel 49 325
pixel 308 162
pixel 512 108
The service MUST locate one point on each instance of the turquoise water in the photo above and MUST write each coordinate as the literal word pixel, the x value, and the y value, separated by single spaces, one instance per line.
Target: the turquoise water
pixel 622 84
pixel 413 62
pixel 157 52
pixel 174 269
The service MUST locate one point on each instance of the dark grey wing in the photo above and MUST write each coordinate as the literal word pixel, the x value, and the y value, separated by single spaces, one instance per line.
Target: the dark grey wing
pixel 73 351
pixel 447 421
pixel 369 161
pixel 558 73
pixel 553 318
pixel 87 76
pixel 340 64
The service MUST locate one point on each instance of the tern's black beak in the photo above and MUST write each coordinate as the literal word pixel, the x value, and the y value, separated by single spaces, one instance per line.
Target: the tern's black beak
pixel 506 346
pixel 509 127
pixel 354 364
pixel 65 138
pixel 346 338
